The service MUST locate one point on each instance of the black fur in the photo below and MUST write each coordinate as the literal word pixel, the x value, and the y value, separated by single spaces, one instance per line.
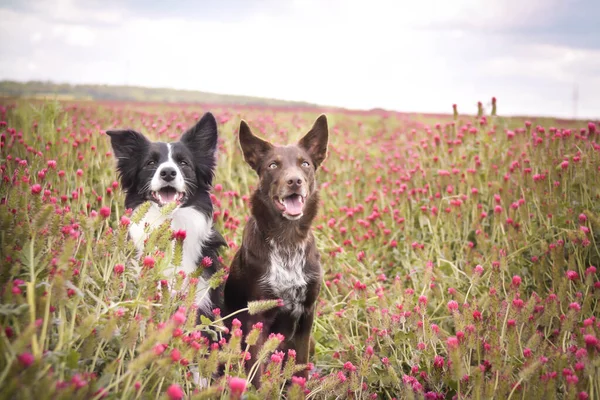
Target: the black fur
pixel 195 156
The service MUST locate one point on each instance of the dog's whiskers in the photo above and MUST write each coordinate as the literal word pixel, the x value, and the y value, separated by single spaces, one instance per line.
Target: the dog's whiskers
pixel 144 188
pixel 190 187
pixel 190 183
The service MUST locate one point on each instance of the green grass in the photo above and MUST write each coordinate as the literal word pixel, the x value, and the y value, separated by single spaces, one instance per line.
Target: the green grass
pixel 458 256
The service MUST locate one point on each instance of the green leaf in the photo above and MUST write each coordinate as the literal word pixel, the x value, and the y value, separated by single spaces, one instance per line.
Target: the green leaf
pixel 8 310
pixel 445 267
pixel 205 320
pixel 72 359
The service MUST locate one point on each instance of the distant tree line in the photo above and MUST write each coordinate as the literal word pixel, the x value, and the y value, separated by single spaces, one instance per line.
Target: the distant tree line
pixel 133 93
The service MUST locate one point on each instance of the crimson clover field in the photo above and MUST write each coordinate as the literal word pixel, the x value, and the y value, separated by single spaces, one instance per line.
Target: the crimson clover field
pixel 460 256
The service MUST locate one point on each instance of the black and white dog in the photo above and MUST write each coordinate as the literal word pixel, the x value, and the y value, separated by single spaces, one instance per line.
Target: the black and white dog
pixel 179 172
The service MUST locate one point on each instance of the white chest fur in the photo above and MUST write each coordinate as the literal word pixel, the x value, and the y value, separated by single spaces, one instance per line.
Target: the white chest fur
pixel 286 278
pixel 198 228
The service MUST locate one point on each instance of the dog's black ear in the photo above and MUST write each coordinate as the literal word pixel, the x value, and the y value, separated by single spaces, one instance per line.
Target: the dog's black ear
pixel 127 146
pixel 254 148
pixel 315 141
pixel 126 143
pixel 201 139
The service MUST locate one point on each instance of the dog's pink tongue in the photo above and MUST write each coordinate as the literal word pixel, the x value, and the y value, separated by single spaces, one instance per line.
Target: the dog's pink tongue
pixel 168 195
pixel 293 205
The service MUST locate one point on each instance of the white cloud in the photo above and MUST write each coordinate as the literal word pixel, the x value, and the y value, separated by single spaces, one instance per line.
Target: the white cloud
pixel 75 35
pixel 36 37
pixel 72 11
pixel 347 53
pixel 559 64
pixel 465 14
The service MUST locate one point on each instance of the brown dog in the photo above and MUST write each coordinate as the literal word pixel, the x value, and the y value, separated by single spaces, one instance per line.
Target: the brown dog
pixel 278 257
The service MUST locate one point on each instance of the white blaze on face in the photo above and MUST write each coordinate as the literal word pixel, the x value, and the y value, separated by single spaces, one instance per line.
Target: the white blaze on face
pixel 158 183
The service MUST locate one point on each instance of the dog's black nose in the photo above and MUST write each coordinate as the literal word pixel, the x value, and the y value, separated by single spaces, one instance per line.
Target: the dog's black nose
pixel 168 174
pixel 294 182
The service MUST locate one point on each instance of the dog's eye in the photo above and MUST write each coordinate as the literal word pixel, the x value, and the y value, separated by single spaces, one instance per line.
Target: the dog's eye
pixel 151 162
pixel 183 162
pixel 273 165
pixel 305 164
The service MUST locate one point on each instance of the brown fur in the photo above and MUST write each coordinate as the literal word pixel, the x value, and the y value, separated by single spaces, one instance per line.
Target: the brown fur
pixel 269 228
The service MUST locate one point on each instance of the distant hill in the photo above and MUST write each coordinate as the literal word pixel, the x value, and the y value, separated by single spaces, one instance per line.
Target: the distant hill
pixel 38 89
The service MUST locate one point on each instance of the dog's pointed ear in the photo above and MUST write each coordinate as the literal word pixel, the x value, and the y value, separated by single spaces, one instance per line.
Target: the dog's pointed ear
pixel 127 146
pixel 254 148
pixel 126 143
pixel 315 141
pixel 202 137
pixel 201 140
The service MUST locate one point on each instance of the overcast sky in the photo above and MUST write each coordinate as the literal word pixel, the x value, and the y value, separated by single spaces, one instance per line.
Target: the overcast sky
pixel 414 55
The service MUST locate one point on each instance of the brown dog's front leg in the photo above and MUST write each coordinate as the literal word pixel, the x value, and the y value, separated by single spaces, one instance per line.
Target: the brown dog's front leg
pixel 302 340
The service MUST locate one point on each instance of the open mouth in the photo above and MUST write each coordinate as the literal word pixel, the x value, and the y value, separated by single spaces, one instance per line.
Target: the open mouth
pixel 291 206
pixel 167 195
